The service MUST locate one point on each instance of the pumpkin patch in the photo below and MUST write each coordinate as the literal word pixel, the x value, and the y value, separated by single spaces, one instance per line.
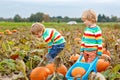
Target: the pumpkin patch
pixel 16 45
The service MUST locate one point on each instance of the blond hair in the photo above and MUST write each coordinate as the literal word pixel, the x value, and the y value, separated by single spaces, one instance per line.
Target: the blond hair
pixel 89 15
pixel 37 27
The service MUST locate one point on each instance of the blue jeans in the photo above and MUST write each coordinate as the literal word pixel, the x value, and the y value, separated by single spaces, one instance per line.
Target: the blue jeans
pixel 54 51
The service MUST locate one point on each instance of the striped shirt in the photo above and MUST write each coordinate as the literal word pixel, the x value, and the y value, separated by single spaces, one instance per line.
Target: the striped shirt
pixel 92 40
pixel 52 37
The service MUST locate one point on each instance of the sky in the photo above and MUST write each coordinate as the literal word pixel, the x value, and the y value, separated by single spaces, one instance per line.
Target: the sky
pixel 70 8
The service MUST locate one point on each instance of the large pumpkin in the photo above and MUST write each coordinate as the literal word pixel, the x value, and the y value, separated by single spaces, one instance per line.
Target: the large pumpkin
pixel 61 69
pixel 39 73
pixel 78 71
pixel 102 65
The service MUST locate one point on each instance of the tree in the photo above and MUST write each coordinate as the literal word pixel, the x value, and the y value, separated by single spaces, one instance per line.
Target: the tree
pixel 113 18
pixel 65 19
pixel 17 18
pixel 38 17
pixel 46 18
pixel 99 18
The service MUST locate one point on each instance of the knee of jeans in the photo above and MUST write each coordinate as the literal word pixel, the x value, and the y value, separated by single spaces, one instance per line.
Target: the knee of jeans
pixel 53 56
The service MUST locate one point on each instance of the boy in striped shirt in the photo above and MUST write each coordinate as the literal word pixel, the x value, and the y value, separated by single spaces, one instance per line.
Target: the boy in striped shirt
pixel 91 45
pixel 54 39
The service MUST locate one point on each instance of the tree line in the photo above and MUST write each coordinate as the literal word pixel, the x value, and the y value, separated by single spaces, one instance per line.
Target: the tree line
pixel 39 17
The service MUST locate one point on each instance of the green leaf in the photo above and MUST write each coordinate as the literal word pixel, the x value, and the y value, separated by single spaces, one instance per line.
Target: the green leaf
pixel 116 68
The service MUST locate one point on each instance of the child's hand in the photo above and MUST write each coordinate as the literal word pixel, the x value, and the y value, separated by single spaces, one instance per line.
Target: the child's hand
pixel 81 53
pixel 106 57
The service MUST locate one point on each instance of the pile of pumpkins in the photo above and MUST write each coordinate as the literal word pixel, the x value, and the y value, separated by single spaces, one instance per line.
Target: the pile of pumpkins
pixel 42 73
pixel 8 32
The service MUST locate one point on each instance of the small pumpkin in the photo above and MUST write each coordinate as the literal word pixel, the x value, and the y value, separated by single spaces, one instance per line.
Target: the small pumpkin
pixel 105 51
pixel 78 71
pixel 102 65
pixel 7 30
pixel 14 30
pixel 78 40
pixel 74 57
pixel 1 33
pixel 61 69
pixel 9 33
pixel 39 73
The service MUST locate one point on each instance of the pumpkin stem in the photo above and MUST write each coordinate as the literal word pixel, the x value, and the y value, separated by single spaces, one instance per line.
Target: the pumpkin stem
pixel 57 62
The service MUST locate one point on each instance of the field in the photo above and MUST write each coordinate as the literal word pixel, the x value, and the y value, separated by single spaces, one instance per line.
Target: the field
pixel 16 39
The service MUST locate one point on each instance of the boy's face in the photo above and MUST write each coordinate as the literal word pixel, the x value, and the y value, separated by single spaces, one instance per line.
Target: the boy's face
pixel 39 34
pixel 87 22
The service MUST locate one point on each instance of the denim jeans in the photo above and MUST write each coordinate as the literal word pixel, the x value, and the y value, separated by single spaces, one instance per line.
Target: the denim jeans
pixel 54 51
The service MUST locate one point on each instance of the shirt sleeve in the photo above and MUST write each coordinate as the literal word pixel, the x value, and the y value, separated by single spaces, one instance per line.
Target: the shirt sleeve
pixel 82 45
pixel 98 36
pixel 48 37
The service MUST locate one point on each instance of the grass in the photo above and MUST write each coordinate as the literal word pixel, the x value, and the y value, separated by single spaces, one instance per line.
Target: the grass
pixel 15 25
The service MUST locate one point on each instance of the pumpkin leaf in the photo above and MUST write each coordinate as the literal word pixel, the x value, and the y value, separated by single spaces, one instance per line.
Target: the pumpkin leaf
pixel 116 68
pixel 4 47
pixel 9 64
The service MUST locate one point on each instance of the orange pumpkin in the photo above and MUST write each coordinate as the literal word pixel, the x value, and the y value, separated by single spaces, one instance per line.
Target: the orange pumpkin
pixel 77 40
pixel 7 30
pixel 39 73
pixel 102 65
pixel 74 57
pixel 78 71
pixel 9 33
pixel 14 31
pixel 1 33
pixel 106 51
pixel 61 69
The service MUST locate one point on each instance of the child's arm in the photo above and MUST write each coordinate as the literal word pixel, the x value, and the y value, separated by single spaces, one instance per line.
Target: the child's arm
pixel 98 36
pixel 82 45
